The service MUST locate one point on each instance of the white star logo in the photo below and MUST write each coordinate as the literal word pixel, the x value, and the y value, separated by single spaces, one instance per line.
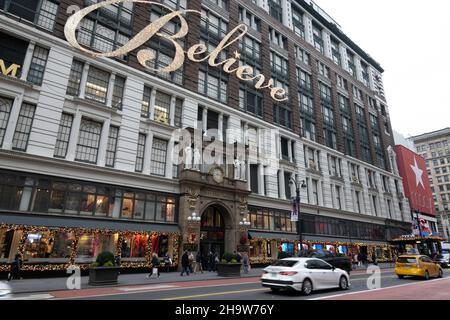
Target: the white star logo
pixel 418 173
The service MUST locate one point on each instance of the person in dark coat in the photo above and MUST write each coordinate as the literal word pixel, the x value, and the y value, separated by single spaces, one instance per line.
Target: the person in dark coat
pixel 15 268
pixel 185 263
pixel 155 265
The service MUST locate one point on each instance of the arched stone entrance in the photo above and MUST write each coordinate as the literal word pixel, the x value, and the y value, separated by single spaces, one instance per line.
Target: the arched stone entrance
pixel 213 231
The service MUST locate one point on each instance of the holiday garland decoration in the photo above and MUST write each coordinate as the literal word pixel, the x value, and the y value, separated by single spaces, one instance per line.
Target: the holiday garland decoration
pixel 78 232
pixel 371 248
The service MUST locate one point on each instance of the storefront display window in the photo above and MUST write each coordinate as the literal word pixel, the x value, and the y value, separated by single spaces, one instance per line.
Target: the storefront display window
pixel 9 244
pixel 134 247
pixel 342 249
pixel 47 246
pixel 90 245
pixel 288 248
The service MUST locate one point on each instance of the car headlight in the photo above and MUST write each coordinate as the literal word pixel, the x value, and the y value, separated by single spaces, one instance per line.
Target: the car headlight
pixel 4 292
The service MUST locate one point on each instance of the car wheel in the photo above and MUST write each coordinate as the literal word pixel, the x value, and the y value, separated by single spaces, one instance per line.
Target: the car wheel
pixel 307 287
pixel 343 283
pixel 427 275
pixel 400 276
pixel 275 289
pixel 440 273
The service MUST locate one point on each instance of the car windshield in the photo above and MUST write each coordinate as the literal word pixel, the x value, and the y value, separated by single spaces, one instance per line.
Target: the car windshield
pixel 285 263
pixel 406 260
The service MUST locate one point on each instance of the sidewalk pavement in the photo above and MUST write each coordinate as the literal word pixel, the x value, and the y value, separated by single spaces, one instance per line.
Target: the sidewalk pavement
pixel 58 284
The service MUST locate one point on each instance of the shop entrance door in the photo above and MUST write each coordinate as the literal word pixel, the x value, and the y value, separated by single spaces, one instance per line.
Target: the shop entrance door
pixel 212 232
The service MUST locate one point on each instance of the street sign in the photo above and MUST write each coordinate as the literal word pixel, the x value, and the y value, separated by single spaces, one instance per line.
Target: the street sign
pixel 294 215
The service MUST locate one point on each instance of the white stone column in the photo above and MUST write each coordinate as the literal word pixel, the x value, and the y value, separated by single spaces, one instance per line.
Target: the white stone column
pixel 261 186
pixel 109 94
pixel 12 122
pixel 327 43
pixel 344 57
pixel 173 101
pixel 287 16
pixel 152 104
pixel 83 81
pixel 281 184
pixel 71 149
pixel 27 61
pixel 308 29
pixel 290 150
pixel 103 143
pixel 148 152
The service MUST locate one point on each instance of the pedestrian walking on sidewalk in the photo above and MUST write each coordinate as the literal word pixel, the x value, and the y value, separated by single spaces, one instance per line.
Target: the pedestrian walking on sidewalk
pixel 198 264
pixel 185 263
pixel 245 262
pixel 16 267
pixel 192 262
pixel 155 265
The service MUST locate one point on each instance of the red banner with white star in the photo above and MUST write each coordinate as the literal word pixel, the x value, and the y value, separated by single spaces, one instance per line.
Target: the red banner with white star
pixel 415 180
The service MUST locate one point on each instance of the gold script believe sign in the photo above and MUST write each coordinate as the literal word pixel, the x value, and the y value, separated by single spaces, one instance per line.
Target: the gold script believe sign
pixel 196 53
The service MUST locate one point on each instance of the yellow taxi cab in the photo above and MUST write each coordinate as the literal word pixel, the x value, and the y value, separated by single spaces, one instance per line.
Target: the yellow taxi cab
pixel 416 265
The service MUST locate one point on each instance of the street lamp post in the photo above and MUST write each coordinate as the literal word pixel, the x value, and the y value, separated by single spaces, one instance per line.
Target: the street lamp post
pixel 296 208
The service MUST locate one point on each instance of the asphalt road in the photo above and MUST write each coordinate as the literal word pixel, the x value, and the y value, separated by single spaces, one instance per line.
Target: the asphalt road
pixel 251 289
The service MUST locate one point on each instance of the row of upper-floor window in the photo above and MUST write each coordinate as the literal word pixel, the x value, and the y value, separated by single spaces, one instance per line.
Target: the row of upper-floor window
pixel 438 162
pixel 94 33
pixel 315 193
pixel 318 41
pixel 433 146
pixel 88 139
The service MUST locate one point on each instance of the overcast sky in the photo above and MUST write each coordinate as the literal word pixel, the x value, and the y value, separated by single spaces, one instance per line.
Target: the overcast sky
pixel 411 41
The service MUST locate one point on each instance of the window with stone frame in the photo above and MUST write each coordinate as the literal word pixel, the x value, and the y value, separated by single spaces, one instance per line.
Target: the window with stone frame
pixel 251 100
pixel 317 38
pixel 162 107
pixel 37 66
pixel 140 153
pixel 159 157
pixel 5 111
pixel 111 148
pixel 145 106
pixel 63 138
pixel 107 28
pixel 42 13
pixel 297 22
pixel 162 49
pixel 276 10
pixel 118 91
pixel 76 73
pixel 97 85
pixel 23 127
pixel 88 141
pixel 335 52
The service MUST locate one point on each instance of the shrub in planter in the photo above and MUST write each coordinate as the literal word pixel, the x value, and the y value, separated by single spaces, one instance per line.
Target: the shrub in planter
pixel 104 258
pixel 103 270
pixel 229 267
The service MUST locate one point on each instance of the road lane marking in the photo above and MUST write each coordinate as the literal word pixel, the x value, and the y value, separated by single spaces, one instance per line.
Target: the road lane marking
pixel 151 287
pixel 150 291
pixel 214 294
pixel 385 288
pixel 34 297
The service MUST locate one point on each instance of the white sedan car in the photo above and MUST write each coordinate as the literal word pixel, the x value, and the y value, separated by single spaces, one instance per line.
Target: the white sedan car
pixel 5 290
pixel 305 275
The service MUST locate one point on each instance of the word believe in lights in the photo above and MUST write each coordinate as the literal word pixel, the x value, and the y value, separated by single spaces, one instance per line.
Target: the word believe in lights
pixel 194 53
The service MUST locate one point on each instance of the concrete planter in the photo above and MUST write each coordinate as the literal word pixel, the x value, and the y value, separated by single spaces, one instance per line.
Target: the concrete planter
pixel 103 276
pixel 229 269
